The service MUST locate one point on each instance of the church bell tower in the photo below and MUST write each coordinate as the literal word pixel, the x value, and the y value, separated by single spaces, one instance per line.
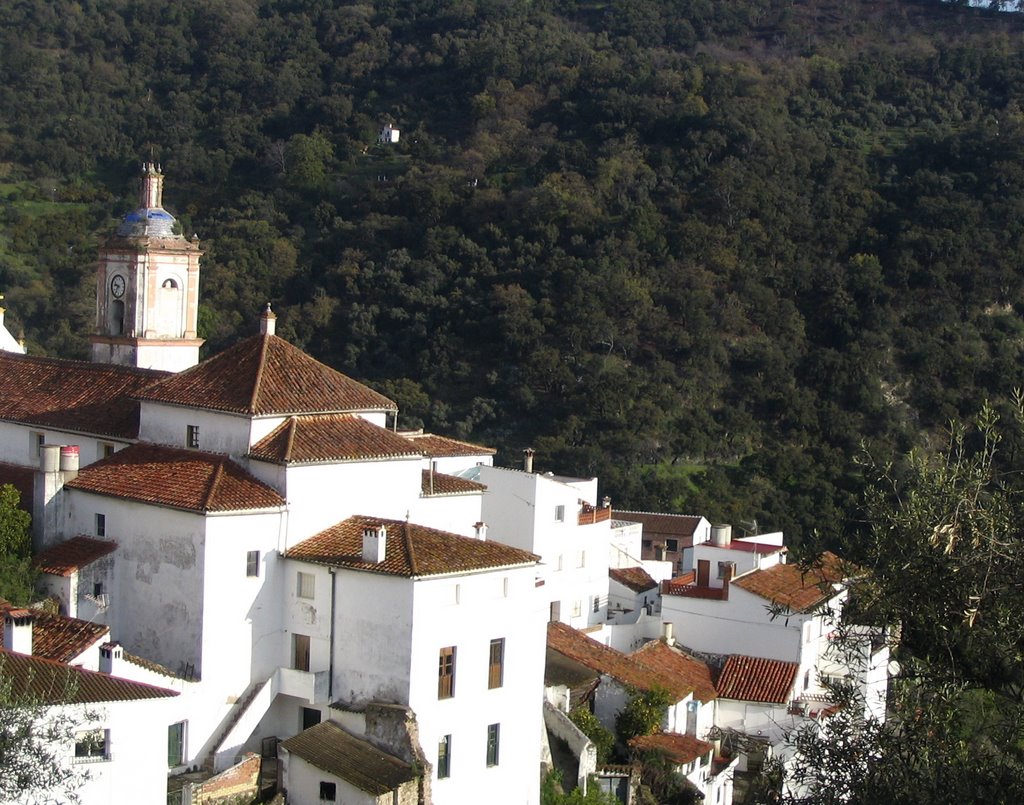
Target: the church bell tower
pixel 147 288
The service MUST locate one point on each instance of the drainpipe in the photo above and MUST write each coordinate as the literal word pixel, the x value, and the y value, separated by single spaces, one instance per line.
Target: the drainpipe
pixel 330 664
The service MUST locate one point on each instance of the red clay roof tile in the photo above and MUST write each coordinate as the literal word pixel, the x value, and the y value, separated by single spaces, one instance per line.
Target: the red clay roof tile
pixel 671 662
pixel 437 483
pixel 410 550
pixel 72 395
pixel 626 669
pixel 678 748
pixel 68 556
pixel 330 437
pixel 51 682
pixel 434 446
pixel 794 587
pixel 57 637
pixel 677 526
pixel 265 375
pixel 635 578
pixel 178 478
pixel 757 679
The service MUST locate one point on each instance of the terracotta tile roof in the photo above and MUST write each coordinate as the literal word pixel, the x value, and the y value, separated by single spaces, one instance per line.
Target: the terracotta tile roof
pixel 438 483
pixel 678 748
pixel 792 586
pixel 51 682
pixel 265 375
pixel 635 578
pixel 588 652
pixel 757 679
pixel 70 555
pixel 410 550
pixel 329 437
pixel 22 479
pixel 178 478
pixel 671 662
pixel 328 747
pixel 434 446
pixel 149 665
pixel 745 547
pixel 55 637
pixel 72 395
pixel 676 526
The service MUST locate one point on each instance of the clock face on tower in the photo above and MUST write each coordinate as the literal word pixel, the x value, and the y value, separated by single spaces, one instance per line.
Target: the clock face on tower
pixel 117 286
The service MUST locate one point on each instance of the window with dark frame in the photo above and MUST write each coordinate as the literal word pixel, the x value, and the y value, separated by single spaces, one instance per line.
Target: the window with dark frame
pixel 597 603
pixel 300 644
pixel 671 545
pixel 493 737
pixel 446 673
pixel 310 717
pixel 723 566
pixel 328 791
pixel 252 564
pixel 91 745
pixel 101 525
pixel 496 667
pixel 444 757
pixel 192 436
pixel 176 744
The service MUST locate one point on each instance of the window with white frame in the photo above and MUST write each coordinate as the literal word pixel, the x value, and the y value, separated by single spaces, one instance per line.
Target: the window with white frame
pixel 192 436
pixel 560 514
pixel 577 608
pixel 36 440
pixel 105 450
pixel 305 586
pixel 726 566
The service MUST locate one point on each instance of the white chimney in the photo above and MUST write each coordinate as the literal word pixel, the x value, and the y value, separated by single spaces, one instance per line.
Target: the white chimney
pixel 481 530
pixel 69 461
pixel 110 655
pixel 268 321
pixel 374 544
pixel 667 630
pixel 528 459
pixel 18 631
pixel 721 535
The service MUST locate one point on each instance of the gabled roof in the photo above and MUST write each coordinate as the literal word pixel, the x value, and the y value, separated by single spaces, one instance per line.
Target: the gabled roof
pixel 434 446
pixel 410 550
pixel 757 679
pixel 635 578
pixel 671 662
pixel 328 747
pixel 178 478
pixel 678 748
pixel 265 375
pixel 588 652
pixel 56 637
pixel 794 587
pixel 437 483
pixel 50 682
pixel 659 524
pixel 330 437
pixel 73 395
pixel 66 557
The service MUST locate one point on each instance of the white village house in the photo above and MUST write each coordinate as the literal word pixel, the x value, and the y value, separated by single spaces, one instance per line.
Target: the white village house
pixel 251 537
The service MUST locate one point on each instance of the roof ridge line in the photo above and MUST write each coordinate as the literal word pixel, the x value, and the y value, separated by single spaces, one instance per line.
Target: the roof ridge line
pixel 293 426
pixel 408 547
pixel 214 483
pixel 259 373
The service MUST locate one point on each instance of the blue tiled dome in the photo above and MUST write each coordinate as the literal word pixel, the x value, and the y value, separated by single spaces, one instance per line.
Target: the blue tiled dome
pixel 151 221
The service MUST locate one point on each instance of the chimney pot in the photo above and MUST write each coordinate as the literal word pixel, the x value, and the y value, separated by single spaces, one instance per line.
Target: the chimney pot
pixel 481 530
pixel 528 459
pixel 18 631
pixel 268 321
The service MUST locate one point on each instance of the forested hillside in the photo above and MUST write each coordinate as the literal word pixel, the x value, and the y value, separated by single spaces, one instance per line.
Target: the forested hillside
pixel 704 249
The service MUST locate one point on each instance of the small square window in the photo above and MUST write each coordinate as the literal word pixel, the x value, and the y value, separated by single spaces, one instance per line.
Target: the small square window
pixel 310 717
pixel 97 589
pixel 306 585
pixel 724 566
pixel 192 436
pixel 106 450
pixel 672 545
pixel 328 791
pixel 101 525
pixel 252 564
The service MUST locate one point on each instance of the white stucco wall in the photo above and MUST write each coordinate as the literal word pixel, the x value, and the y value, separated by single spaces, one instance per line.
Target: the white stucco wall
pixel 18 443
pixel 218 432
pixel 467 612
pixel 455 513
